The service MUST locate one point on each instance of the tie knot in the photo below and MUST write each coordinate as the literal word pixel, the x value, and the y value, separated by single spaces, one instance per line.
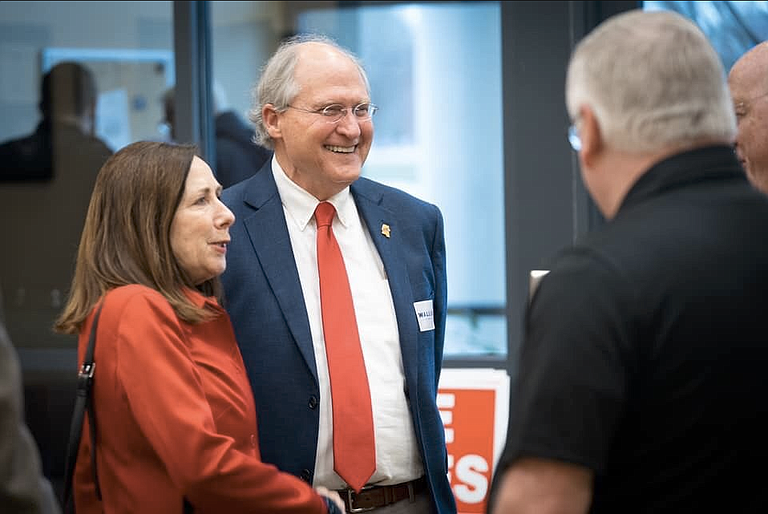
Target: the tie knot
pixel 324 214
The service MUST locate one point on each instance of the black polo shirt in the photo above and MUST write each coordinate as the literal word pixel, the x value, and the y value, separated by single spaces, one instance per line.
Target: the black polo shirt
pixel 646 348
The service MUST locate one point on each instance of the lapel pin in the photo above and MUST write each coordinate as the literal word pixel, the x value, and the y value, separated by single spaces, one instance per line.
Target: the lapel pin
pixel 385 230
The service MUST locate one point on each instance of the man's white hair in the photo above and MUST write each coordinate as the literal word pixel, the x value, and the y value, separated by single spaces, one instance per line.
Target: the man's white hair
pixel 653 80
pixel 277 85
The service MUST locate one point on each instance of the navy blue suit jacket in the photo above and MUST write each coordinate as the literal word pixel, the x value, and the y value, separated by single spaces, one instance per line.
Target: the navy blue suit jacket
pixel 264 299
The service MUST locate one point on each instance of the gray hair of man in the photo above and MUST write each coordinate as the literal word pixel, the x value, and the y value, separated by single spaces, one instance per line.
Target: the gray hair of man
pixel 653 81
pixel 277 85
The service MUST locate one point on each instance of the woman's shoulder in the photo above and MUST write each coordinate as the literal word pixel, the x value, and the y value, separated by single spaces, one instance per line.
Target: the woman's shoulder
pixel 129 308
pixel 135 296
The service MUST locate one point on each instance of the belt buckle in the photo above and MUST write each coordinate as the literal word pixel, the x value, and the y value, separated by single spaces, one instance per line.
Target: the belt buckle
pixel 352 509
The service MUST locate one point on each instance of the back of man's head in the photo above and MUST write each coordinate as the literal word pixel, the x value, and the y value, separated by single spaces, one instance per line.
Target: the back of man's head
pixel 220 104
pixel 653 81
pixel 68 91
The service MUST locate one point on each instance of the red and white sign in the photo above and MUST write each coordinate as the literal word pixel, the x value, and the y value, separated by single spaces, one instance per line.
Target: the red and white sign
pixel 474 406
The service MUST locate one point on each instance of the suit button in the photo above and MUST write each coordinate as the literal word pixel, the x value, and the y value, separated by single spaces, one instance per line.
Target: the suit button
pixel 312 402
pixel 306 475
pixel 253 440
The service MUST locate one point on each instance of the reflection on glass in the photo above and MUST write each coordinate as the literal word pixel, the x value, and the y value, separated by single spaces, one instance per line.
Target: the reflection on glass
pixel 127 50
pixel 130 84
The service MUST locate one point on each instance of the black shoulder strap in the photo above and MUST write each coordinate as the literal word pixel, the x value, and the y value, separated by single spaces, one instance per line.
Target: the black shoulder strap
pixel 82 402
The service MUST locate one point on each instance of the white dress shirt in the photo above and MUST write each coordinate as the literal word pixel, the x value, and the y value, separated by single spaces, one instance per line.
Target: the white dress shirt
pixel 397 454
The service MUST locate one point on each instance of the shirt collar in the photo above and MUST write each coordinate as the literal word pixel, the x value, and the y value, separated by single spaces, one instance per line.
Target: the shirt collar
pixel 300 204
pixel 692 166
pixel 200 300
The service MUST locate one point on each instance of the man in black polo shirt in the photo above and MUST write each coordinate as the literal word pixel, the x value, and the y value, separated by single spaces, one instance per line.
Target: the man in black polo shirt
pixel 641 384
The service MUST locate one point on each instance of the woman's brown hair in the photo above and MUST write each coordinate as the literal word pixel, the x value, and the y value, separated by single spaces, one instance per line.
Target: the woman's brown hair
pixel 126 237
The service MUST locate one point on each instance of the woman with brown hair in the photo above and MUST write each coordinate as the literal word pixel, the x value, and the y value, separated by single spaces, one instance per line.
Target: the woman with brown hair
pixel 174 411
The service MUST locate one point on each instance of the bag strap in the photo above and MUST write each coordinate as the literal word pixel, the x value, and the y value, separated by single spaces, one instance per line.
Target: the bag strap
pixel 82 402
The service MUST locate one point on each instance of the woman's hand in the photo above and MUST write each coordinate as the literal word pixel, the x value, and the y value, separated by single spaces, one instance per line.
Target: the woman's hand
pixel 331 495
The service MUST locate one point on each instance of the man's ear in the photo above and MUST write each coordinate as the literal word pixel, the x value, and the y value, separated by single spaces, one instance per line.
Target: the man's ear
pixel 591 136
pixel 270 117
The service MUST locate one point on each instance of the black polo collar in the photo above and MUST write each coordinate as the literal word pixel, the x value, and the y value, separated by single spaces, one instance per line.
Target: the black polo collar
pixel 692 166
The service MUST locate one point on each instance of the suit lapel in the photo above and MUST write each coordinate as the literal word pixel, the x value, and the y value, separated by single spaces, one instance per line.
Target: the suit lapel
pixel 391 252
pixel 268 234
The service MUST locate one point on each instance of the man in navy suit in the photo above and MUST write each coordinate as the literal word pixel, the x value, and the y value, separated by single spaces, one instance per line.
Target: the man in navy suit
pixel 313 108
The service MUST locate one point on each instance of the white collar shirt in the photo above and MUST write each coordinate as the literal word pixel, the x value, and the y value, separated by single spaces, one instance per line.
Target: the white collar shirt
pixel 397 456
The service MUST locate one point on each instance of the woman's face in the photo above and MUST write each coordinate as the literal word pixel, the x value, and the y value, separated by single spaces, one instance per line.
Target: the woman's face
pixel 200 227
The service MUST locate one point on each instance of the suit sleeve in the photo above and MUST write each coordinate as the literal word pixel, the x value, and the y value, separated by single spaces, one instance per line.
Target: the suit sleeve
pixel 437 256
pixel 166 397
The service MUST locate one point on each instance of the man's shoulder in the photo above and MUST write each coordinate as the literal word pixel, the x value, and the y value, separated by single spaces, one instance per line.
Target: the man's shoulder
pixel 608 256
pixel 26 143
pixel 390 197
pixel 232 195
pixel 587 257
pixel 364 185
pixel 26 158
pixel 136 294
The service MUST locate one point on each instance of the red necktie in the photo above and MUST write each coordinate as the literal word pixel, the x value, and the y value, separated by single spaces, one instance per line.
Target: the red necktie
pixel 354 452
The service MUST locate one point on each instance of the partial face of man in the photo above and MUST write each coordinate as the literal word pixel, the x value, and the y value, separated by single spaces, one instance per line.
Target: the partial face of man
pixel 749 90
pixel 320 156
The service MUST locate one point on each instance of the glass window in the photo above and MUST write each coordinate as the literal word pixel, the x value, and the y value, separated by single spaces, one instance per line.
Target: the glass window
pixel 78 80
pixel 732 27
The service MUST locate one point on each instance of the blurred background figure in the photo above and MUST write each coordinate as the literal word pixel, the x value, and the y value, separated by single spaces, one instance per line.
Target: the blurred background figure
pixel 748 80
pixel 237 155
pixel 65 154
pixel 67 130
pixel 47 177
pixel 23 489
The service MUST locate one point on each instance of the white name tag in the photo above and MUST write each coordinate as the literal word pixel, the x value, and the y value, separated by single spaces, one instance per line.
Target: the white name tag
pixel 425 314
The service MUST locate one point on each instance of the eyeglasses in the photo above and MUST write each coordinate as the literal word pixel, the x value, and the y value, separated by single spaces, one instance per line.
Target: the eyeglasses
pixel 742 107
pixel 334 113
pixel 573 137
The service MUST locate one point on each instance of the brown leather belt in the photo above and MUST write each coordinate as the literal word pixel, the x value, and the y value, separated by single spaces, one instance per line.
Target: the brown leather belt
pixel 373 497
